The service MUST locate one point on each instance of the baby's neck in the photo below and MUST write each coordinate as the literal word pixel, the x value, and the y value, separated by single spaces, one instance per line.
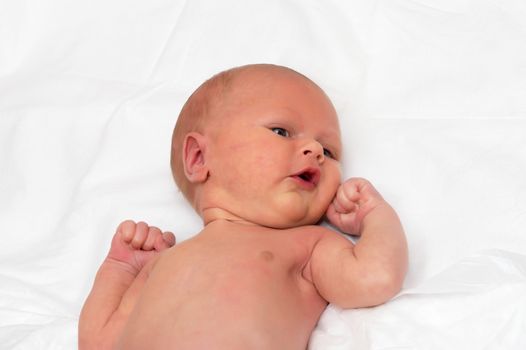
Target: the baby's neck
pixel 210 215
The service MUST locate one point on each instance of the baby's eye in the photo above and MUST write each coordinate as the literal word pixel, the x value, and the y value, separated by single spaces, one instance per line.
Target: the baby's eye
pixel 280 132
pixel 327 153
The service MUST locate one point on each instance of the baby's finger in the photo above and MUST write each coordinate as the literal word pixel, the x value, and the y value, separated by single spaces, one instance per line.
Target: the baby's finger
pixel 338 206
pixel 342 203
pixel 141 232
pixel 349 191
pixel 153 232
pixel 169 238
pixel 333 216
pixel 127 229
pixel 162 244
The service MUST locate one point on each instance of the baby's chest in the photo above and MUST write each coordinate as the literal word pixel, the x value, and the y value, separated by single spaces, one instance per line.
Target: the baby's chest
pixel 265 274
pixel 248 257
pixel 282 252
pixel 245 274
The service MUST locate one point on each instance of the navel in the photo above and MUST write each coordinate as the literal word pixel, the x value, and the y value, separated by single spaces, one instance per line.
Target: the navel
pixel 266 255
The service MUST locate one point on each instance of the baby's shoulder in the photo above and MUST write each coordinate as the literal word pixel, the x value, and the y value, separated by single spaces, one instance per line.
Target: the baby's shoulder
pixel 311 234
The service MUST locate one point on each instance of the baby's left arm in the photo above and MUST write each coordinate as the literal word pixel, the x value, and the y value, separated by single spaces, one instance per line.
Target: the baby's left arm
pixel 372 271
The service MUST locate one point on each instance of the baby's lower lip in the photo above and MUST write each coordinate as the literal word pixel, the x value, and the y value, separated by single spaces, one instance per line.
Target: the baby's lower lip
pixel 303 183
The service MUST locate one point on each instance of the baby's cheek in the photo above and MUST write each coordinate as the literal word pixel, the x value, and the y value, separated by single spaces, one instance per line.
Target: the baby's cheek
pixel 291 206
pixel 334 184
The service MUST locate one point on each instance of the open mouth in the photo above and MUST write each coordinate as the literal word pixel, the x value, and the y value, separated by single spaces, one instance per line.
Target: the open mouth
pixel 308 178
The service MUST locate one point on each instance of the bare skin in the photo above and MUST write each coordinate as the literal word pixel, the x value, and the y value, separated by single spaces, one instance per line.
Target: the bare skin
pixel 260 296
pixel 119 282
pixel 259 274
pixel 239 286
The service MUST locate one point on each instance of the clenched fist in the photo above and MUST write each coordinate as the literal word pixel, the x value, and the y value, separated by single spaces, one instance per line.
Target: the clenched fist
pixel 354 200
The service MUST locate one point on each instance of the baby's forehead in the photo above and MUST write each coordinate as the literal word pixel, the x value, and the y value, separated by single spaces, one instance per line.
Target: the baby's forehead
pixel 257 86
pixel 255 83
pixel 242 86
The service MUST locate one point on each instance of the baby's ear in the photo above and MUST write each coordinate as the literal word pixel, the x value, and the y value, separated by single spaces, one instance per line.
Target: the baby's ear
pixel 194 148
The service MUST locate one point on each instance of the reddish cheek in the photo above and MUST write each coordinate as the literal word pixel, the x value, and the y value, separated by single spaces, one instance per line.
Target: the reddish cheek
pixel 238 146
pixel 250 153
pixel 262 161
pixel 252 157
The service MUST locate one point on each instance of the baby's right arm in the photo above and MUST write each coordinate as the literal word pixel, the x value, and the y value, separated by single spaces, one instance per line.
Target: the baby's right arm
pixel 372 271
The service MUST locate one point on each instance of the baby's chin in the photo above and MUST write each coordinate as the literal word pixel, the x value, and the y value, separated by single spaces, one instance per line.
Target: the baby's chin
pixel 293 210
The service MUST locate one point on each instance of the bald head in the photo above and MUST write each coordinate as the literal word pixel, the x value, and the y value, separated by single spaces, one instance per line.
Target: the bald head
pixel 210 101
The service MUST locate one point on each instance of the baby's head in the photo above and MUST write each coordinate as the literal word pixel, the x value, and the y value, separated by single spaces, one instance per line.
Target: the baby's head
pixel 258 144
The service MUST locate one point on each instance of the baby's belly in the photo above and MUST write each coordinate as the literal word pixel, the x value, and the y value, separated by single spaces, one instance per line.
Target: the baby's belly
pixel 256 302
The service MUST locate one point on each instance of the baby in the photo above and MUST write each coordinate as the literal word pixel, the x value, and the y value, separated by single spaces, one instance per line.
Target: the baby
pixel 256 151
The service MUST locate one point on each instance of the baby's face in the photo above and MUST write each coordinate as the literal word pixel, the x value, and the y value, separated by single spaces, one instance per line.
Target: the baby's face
pixel 274 152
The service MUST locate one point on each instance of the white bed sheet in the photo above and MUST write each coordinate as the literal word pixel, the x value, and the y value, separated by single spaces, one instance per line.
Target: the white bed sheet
pixel 432 100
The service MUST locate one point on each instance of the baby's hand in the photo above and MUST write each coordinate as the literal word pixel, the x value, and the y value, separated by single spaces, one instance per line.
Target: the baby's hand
pixel 137 243
pixel 354 199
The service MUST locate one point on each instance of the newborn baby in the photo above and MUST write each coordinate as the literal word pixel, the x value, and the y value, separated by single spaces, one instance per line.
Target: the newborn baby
pixel 256 150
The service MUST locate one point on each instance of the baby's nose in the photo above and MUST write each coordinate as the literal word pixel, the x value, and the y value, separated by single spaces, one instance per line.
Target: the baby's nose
pixel 314 149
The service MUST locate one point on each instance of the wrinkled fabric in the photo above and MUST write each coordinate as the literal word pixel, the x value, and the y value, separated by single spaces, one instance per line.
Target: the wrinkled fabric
pixel 432 103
